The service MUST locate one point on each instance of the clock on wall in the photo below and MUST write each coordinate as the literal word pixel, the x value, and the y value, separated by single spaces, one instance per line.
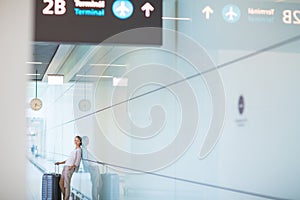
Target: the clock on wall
pixel 36 103
pixel 84 105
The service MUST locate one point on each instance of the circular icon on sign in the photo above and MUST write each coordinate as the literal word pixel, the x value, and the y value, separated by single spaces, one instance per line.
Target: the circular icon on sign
pixel 231 13
pixel 122 9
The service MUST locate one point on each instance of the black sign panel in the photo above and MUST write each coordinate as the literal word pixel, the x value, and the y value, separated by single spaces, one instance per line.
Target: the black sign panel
pixel 93 21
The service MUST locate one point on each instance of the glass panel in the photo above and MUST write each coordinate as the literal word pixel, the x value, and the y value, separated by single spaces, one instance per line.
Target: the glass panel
pixel 210 114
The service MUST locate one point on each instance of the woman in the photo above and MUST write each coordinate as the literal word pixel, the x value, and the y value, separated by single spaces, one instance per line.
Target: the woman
pixel 71 165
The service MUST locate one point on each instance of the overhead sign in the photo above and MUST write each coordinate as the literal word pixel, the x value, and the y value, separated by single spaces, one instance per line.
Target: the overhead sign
pixel 94 21
pixel 247 25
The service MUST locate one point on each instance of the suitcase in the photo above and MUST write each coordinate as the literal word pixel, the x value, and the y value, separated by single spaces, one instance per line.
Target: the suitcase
pixel 50 186
pixel 111 187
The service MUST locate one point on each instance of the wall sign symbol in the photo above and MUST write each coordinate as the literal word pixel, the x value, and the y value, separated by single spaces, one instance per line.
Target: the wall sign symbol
pixel 147 8
pixel 241 105
pixel 122 9
pixel 231 13
pixel 241 120
pixel 207 11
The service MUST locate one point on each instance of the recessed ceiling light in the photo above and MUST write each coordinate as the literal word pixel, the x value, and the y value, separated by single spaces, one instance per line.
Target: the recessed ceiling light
pixel 33 74
pixel 177 18
pixel 110 65
pixel 93 76
pixel 34 63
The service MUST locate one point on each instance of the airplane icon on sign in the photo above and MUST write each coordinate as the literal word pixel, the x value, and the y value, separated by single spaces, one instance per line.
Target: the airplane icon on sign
pixel 122 9
pixel 231 13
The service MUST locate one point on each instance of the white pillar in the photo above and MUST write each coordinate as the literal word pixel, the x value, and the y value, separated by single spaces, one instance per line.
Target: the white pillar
pixel 15 27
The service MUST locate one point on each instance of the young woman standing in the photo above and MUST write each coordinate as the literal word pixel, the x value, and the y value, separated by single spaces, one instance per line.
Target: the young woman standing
pixel 71 166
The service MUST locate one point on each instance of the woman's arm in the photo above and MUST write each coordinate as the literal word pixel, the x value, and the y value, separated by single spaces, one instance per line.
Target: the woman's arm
pixel 59 163
pixel 72 166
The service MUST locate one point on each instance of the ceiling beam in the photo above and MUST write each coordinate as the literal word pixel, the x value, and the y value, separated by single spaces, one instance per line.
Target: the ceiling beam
pixel 62 54
pixel 81 56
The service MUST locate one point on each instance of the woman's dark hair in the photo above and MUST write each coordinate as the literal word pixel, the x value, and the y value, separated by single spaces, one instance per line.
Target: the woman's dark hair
pixel 79 138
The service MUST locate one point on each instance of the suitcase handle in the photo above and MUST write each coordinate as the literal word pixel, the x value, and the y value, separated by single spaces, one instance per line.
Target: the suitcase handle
pixel 56 172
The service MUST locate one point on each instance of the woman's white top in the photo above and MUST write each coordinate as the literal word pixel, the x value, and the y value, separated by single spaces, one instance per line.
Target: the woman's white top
pixel 74 158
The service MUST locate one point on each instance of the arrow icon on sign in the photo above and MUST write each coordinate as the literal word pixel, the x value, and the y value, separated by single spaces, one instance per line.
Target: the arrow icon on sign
pixel 147 8
pixel 207 11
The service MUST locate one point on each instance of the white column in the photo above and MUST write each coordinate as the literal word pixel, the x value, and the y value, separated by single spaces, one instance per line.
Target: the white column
pixel 15 27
